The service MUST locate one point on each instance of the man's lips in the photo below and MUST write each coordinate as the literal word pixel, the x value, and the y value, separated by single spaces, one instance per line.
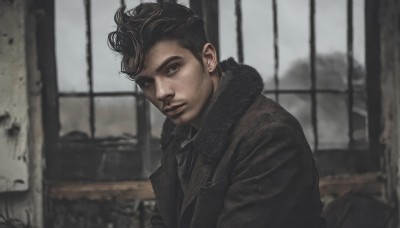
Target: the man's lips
pixel 172 110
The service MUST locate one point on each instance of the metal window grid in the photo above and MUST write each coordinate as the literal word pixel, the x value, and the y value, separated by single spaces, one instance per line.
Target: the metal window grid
pixel 200 7
pixel 313 91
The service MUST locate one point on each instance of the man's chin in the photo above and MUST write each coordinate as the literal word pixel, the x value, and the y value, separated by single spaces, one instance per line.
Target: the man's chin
pixel 178 121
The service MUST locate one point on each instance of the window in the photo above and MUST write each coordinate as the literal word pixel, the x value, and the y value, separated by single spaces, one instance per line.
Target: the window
pixel 311 56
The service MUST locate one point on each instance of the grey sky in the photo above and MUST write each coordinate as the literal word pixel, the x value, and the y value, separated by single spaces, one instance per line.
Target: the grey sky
pixel 257 27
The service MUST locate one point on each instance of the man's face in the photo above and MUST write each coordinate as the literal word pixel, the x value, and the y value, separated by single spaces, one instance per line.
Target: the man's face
pixel 176 83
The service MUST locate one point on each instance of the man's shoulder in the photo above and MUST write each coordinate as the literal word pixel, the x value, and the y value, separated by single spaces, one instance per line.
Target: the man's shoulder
pixel 265 111
pixel 264 119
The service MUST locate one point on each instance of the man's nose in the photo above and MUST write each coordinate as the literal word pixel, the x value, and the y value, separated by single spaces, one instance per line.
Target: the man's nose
pixel 164 90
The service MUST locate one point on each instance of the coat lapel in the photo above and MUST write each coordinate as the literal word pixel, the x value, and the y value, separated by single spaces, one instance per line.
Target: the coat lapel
pixel 165 185
pixel 213 138
pixel 240 91
pixel 200 175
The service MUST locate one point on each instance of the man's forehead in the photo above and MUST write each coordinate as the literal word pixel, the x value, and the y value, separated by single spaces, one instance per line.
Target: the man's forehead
pixel 164 48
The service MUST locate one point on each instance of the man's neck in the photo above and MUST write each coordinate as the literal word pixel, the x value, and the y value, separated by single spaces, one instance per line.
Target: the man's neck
pixel 197 124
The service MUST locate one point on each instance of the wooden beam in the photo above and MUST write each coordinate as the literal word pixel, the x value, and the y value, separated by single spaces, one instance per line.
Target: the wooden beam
pixel 141 190
pixel 372 183
pixel 45 41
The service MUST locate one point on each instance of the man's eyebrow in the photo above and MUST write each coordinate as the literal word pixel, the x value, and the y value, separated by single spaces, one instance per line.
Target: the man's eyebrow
pixel 168 60
pixel 161 66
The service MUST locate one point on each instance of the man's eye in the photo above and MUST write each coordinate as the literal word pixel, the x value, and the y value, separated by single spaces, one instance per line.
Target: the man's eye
pixel 173 68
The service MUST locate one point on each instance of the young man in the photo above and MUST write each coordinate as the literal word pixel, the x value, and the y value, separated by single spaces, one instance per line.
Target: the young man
pixel 231 157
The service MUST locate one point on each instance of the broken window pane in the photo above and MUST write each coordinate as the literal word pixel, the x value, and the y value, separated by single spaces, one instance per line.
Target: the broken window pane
pixel 106 63
pixel 299 105
pixel 70 46
pixel 333 121
pixel 116 116
pixel 74 117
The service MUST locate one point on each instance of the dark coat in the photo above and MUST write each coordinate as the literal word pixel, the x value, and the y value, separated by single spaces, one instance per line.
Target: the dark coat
pixel 254 167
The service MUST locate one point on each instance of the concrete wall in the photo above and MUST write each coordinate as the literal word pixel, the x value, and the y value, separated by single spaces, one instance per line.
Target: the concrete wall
pixel 14 99
pixel 390 86
pixel 21 136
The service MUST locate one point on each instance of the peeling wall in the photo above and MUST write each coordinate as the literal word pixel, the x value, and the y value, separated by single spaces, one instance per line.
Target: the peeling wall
pixel 390 86
pixel 13 99
pixel 21 135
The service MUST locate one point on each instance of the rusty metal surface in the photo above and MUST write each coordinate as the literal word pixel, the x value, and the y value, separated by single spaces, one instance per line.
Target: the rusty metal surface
pixel 239 32
pixel 373 78
pixel 276 48
pixel 313 75
pixel 89 62
pixel 350 69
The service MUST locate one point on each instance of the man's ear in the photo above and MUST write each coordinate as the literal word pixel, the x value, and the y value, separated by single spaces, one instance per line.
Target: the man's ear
pixel 210 60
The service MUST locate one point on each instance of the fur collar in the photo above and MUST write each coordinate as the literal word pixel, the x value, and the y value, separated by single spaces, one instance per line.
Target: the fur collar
pixel 214 136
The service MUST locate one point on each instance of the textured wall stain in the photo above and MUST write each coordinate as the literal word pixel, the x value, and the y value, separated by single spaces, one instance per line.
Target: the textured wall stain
pixel 14 130
pixel 4 118
pixel 19 181
pixel 14 116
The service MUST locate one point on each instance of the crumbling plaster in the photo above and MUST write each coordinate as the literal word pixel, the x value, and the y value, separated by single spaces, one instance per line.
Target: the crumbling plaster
pixel 14 121
pixel 390 87
pixel 21 134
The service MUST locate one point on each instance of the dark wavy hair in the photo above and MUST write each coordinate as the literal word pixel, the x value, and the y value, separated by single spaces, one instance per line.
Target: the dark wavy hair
pixel 140 28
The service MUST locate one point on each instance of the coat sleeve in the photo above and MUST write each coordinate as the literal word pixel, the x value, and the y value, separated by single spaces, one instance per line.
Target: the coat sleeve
pixel 274 183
